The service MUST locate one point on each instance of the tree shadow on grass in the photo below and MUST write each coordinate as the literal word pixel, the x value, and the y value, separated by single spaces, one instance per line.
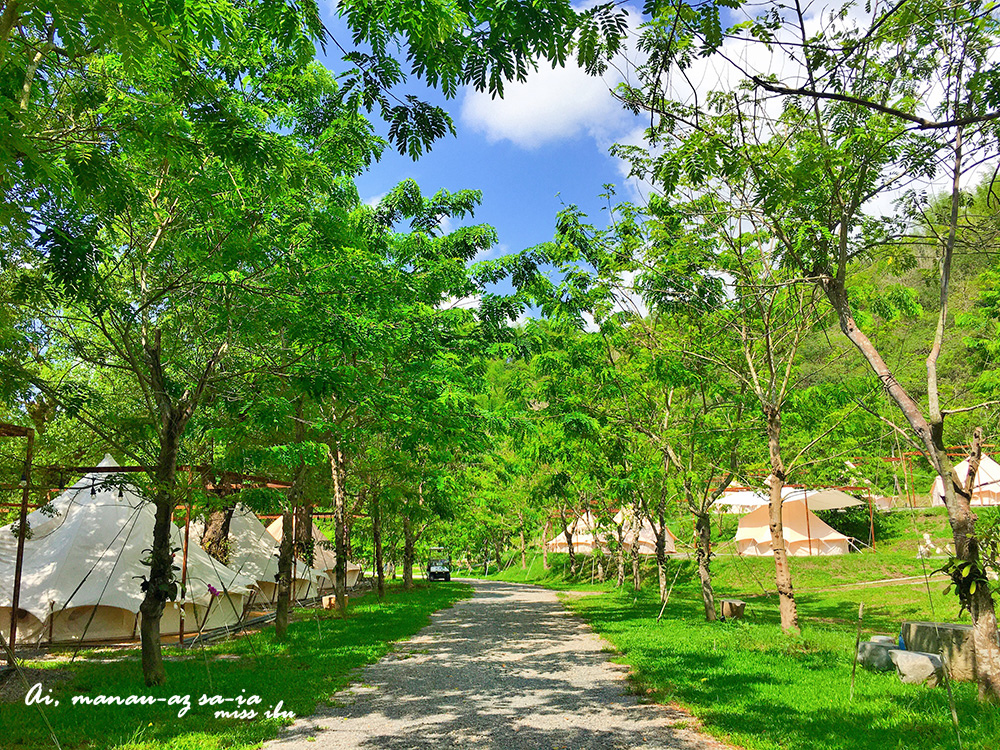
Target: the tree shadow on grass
pixel 749 682
pixel 317 660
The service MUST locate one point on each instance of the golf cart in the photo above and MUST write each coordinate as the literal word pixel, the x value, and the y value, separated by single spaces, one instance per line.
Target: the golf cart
pixel 439 565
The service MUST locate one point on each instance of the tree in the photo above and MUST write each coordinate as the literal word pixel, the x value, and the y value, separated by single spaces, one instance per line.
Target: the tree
pixel 181 270
pixel 854 126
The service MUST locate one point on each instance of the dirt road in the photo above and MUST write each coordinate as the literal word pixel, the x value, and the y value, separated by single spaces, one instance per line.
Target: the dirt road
pixel 508 668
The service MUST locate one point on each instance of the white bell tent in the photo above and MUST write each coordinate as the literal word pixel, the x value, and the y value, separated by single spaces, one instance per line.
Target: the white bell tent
pixel 253 553
pixel 646 536
pixel 986 490
pixel 324 558
pixel 584 533
pixel 83 566
pixel 804 532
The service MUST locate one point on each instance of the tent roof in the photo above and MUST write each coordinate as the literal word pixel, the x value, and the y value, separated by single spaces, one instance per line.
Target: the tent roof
pixel 90 551
pixel 755 525
pixel 987 489
pixel 252 550
pixel 647 532
pixel 324 558
pixel 742 499
pixel 825 499
pixel 820 499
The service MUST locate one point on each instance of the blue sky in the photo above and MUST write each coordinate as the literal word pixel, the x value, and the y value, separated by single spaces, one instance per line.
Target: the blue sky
pixel 543 146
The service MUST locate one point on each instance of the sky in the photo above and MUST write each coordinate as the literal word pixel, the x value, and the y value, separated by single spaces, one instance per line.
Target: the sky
pixel 542 147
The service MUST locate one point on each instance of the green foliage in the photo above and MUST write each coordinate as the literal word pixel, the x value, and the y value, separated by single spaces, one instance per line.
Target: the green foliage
pixel 857 522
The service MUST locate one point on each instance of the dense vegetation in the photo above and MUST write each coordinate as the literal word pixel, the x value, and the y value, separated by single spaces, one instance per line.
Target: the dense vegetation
pixel 192 282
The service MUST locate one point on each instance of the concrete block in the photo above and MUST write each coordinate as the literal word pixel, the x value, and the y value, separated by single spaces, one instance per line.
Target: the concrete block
pixel 918 668
pixel 876 656
pixel 953 639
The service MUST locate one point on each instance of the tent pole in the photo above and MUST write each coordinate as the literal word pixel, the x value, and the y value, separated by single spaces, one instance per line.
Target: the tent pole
pixel 805 499
pixel 21 534
pixel 184 566
pixel 911 491
pixel 871 516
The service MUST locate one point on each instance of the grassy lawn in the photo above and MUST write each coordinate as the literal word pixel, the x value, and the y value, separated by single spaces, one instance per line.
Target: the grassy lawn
pixel 319 658
pixel 750 685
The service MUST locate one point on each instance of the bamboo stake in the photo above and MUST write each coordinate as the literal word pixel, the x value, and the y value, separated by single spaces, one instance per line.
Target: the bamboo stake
pixel 669 591
pixel 857 645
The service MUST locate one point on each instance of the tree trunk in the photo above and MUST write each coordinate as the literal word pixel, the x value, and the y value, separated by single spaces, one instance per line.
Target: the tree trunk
pixel 703 527
pixel 636 529
pixel 620 555
pixel 286 553
pixel 161 585
pixel 568 536
pixel 286 550
pixel 980 602
pixel 215 540
pixel 782 571
pixel 337 475
pixel 545 550
pixel 303 543
pixel 409 542
pixel 376 512
pixel 960 516
pixel 524 549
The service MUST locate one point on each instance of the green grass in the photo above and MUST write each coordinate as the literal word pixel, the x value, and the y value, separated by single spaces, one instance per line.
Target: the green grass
pixel 753 686
pixel 319 658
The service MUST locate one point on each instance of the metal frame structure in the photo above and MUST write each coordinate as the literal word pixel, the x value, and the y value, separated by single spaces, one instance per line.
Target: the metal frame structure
pixel 11 430
pixel 231 482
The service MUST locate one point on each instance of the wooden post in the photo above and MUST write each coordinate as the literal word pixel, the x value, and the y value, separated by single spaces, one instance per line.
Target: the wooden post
pixel 21 533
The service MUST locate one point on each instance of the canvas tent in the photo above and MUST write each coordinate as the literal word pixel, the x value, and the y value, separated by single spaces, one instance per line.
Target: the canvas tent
pixel 987 485
pixel 253 553
pixel 324 558
pixel 804 532
pixel 83 567
pixel 646 537
pixel 585 534
pixel 824 499
pixel 740 501
pixel 745 500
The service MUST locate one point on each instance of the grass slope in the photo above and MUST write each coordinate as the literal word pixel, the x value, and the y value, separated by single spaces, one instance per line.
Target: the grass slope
pixel 318 659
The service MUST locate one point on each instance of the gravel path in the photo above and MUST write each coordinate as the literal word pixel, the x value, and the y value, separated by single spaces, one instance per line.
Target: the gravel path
pixel 508 668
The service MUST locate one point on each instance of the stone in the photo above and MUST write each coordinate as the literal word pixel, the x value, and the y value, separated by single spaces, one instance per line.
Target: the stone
pixel 330 602
pixel 953 639
pixel 889 640
pixel 732 609
pixel 917 668
pixel 876 656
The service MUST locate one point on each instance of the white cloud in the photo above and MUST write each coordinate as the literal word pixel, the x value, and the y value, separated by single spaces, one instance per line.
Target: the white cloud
pixel 446 224
pixel 553 104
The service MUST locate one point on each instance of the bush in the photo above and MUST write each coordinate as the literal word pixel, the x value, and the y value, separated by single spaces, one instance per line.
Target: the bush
pixel 857 521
